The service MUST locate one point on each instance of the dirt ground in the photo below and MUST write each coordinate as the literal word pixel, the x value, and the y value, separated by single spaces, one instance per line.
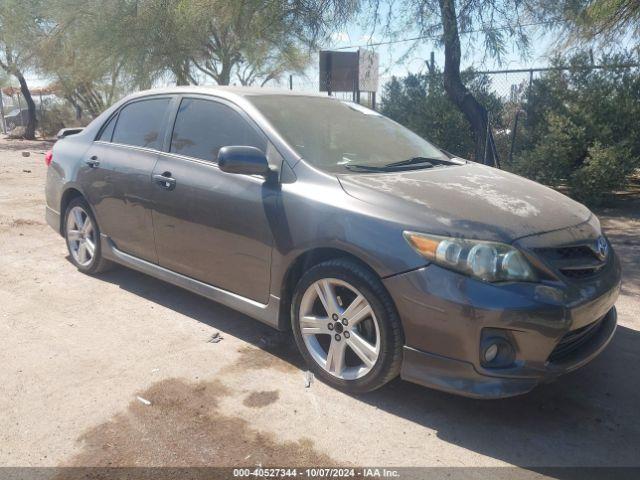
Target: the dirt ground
pixel 119 369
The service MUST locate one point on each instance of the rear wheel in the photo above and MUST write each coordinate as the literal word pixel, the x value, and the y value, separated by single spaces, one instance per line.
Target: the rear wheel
pixel 83 238
pixel 346 326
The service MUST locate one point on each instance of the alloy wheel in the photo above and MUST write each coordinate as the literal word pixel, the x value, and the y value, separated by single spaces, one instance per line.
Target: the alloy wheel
pixel 339 328
pixel 81 236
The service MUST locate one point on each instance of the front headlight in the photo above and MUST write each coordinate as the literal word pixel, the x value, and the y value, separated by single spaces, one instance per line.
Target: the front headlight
pixel 488 261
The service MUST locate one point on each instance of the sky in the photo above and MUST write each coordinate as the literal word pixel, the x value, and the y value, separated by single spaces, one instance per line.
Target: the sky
pixel 415 61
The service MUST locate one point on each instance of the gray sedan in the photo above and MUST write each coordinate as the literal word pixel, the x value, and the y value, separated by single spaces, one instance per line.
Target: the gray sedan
pixel 383 254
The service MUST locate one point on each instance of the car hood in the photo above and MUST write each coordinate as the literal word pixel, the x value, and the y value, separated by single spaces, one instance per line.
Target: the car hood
pixel 471 200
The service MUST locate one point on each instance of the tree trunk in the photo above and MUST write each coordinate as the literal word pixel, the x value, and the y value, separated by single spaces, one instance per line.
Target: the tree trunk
pixel 181 72
pixel 181 78
pixel 224 77
pixel 30 130
pixel 475 113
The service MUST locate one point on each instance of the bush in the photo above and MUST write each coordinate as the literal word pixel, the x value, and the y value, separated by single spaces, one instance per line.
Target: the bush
pixel 420 103
pixel 57 116
pixel 604 170
pixel 580 130
pixel 553 160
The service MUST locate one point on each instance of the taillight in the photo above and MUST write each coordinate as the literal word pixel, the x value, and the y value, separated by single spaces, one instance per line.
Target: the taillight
pixel 48 157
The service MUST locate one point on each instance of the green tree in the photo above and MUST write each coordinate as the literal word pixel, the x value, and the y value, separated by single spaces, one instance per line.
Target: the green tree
pixel 582 128
pixel 19 20
pixel 606 22
pixel 490 24
pixel 75 49
pixel 421 104
pixel 251 41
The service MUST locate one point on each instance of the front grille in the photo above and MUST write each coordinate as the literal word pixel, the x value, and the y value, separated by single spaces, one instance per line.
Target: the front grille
pixel 579 273
pixel 579 251
pixel 573 340
pixel 574 262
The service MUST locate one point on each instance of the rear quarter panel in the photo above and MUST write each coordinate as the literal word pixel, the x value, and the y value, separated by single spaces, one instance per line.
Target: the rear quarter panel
pixel 63 171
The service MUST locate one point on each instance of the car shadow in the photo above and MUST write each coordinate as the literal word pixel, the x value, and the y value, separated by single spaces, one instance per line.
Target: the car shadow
pixel 588 417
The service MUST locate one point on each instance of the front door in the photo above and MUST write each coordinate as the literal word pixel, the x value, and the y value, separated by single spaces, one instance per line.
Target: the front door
pixel 121 162
pixel 211 225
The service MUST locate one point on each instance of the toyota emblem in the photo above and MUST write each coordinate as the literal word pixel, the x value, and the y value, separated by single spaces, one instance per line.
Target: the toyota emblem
pixel 601 248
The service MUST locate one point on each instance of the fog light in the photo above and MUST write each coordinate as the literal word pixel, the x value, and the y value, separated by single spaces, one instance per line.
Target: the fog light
pixel 490 353
pixel 497 352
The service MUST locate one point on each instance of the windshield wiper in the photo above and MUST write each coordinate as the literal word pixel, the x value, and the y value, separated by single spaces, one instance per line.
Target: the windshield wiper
pixel 355 167
pixel 411 163
pixel 426 161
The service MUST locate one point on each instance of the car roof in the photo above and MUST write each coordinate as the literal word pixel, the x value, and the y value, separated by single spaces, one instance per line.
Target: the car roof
pixel 229 91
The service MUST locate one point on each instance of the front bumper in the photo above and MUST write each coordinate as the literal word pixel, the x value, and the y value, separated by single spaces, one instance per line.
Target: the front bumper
pixel 444 314
pixel 461 377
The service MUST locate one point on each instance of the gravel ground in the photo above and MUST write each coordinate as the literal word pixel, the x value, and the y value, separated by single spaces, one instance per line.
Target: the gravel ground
pixel 120 370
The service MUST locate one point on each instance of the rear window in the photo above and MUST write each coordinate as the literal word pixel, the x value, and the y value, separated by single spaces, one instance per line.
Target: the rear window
pixel 141 123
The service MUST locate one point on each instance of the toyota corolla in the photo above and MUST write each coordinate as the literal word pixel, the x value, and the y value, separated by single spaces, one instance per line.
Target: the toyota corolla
pixel 383 254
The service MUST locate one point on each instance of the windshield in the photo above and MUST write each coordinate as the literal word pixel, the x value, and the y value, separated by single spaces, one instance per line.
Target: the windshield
pixel 339 136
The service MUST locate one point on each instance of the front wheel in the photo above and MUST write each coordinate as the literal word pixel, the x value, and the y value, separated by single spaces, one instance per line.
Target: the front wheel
pixel 346 326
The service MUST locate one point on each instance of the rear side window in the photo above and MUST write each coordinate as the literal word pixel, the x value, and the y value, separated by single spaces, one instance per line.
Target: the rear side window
pixel 107 131
pixel 140 123
pixel 203 127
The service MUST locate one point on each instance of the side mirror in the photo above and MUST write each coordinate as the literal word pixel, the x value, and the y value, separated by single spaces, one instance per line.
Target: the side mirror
pixel 243 160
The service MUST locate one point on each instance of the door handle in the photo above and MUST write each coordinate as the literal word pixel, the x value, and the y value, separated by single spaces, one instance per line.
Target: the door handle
pixel 165 181
pixel 93 162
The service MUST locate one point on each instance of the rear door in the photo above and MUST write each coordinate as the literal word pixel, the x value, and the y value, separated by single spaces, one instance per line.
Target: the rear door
pixel 122 160
pixel 211 225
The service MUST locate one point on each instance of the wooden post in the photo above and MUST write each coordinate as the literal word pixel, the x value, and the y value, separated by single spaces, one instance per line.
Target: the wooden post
pixel 329 67
pixel 356 80
pixel 354 94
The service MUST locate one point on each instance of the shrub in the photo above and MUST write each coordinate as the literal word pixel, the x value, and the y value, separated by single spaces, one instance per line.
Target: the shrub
pixel 552 161
pixel 604 170
pixel 582 127
pixel 420 103
pixel 57 116
pixel 580 130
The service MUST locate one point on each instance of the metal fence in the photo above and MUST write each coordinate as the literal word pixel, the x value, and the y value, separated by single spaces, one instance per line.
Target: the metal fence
pixel 514 89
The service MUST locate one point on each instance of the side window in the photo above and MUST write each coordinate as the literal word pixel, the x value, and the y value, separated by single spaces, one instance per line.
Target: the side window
pixel 107 130
pixel 203 127
pixel 140 123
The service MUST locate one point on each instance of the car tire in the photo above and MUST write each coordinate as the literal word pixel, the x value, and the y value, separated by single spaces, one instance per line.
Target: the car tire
pixel 83 239
pixel 357 291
